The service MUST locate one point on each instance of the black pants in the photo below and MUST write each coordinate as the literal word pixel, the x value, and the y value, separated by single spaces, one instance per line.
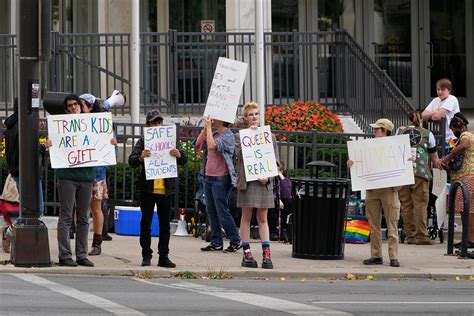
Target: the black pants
pixel 147 205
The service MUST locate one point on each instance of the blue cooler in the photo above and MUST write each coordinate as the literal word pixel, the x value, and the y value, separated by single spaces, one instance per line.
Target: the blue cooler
pixel 127 221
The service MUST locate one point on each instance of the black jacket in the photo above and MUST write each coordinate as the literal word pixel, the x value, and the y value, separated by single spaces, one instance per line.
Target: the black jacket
pixel 147 185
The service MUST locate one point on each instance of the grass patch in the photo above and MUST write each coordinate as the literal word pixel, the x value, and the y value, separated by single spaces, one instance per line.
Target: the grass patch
pixel 145 275
pixel 221 274
pixel 186 275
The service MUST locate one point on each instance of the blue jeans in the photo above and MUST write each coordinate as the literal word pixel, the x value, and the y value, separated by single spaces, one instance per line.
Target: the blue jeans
pixel 41 198
pixel 216 193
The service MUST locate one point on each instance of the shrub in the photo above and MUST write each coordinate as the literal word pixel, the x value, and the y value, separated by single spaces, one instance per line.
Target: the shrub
pixel 302 116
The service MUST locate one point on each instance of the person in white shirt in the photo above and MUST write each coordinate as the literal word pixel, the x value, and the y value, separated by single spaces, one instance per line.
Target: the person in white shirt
pixel 445 105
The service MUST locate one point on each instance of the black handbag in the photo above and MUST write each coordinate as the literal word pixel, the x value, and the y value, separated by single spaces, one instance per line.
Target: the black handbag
pixel 456 163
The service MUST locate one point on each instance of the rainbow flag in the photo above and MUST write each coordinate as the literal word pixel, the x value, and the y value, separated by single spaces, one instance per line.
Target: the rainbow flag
pixel 357 231
pixel 451 143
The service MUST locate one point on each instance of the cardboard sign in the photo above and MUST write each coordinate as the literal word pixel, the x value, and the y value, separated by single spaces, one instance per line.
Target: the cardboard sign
pixel 160 140
pixel 380 162
pixel 81 140
pixel 440 178
pixel 258 153
pixel 225 90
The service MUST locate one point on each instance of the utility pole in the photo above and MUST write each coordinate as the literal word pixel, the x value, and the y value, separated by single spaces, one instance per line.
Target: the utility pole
pixel 30 247
pixel 259 51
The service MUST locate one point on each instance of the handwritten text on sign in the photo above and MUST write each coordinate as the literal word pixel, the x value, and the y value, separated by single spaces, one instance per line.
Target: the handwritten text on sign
pixel 258 153
pixel 380 162
pixel 160 140
pixel 225 90
pixel 81 140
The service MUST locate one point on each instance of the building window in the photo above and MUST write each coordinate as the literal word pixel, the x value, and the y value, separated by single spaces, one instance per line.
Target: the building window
pixel 284 15
pixel 186 15
pixel 336 14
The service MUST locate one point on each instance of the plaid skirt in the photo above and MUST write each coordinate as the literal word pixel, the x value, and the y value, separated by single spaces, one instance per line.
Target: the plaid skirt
pixel 255 196
pixel 459 202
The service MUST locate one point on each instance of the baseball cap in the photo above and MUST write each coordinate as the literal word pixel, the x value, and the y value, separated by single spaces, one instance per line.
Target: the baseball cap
pixel 383 123
pixel 89 98
pixel 153 115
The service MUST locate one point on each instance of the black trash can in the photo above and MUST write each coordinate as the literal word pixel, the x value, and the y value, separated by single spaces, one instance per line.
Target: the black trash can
pixel 319 221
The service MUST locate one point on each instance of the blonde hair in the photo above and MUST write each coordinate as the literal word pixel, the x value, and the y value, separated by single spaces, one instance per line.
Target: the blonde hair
pixel 249 106
pixel 415 118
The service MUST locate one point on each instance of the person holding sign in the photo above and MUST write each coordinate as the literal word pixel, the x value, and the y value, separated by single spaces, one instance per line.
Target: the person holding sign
pixel 153 192
pixel 376 200
pixel 90 104
pixel 75 189
pixel 414 198
pixel 254 194
pixel 219 177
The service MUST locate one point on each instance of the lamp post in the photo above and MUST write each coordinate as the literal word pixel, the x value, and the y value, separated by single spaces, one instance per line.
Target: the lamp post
pixel 30 247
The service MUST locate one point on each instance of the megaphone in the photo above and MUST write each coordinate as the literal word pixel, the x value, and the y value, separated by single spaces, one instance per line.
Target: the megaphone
pixel 116 99
pixel 182 229
pixel 53 102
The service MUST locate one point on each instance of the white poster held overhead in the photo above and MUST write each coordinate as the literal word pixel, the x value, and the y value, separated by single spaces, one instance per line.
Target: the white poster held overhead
pixel 258 153
pixel 81 140
pixel 160 140
pixel 380 162
pixel 225 90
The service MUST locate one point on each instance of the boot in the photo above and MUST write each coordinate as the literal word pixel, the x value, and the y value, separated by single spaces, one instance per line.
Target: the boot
pixel 267 261
pixel 96 245
pixel 248 261
pixel 165 262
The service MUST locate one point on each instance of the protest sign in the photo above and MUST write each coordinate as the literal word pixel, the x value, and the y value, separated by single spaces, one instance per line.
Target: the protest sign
pixel 440 178
pixel 160 140
pixel 380 162
pixel 258 153
pixel 81 140
pixel 225 90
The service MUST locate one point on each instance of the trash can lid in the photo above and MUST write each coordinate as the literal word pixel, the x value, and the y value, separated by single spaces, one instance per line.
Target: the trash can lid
pixel 321 163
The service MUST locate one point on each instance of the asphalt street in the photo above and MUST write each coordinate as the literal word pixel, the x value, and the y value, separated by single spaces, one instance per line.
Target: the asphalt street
pixel 43 294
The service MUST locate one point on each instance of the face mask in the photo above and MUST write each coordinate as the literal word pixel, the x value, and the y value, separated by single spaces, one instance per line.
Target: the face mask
pixel 457 134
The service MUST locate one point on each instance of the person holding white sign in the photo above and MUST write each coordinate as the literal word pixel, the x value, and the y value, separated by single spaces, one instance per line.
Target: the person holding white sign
pixel 375 201
pixel 414 198
pixel 219 178
pixel 153 192
pixel 254 194
pixel 75 189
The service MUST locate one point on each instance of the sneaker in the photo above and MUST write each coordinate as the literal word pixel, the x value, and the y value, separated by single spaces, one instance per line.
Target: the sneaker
pixel 146 262
pixel 166 263
pixel 372 261
pixel 71 235
pixel 67 262
pixel 85 262
pixel 394 263
pixel 212 247
pixel 106 237
pixel 425 241
pixel 469 244
pixel 248 261
pixel 267 261
pixel 95 251
pixel 233 247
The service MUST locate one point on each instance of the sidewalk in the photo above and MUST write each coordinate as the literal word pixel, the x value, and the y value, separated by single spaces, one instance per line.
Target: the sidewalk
pixel 122 257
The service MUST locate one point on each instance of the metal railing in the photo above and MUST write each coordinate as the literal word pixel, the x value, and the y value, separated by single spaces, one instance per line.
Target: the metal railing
pixel 177 69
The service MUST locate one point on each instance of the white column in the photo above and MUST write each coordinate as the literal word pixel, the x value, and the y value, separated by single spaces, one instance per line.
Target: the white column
pixel 135 63
pixel 259 47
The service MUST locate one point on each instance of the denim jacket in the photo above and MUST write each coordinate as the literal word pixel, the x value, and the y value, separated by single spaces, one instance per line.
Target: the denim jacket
pixel 225 146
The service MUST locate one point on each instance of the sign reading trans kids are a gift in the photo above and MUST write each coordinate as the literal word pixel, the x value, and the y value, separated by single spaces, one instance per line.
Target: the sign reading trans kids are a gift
pixel 380 162
pixel 258 153
pixel 160 140
pixel 81 140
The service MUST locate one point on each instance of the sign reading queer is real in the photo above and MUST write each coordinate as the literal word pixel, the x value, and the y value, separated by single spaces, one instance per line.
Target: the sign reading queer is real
pixel 225 90
pixel 81 140
pixel 258 153
pixel 160 140
pixel 380 162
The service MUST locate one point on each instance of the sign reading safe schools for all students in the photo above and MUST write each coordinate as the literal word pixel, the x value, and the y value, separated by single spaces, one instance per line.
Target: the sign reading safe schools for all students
pixel 258 153
pixel 81 140
pixel 225 90
pixel 380 162
pixel 160 140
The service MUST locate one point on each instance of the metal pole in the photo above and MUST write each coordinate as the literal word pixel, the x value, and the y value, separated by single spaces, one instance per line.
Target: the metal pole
pixel 259 51
pixel 30 243
pixel 135 63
